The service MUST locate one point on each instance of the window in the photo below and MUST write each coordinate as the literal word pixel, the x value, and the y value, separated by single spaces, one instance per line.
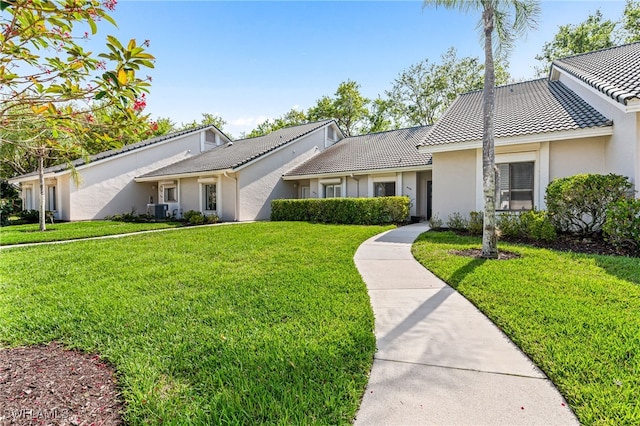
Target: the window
pixel 333 191
pixel 51 198
pixel 28 198
pixel 306 192
pixel 330 133
pixel 515 186
pixel 209 195
pixel 170 194
pixel 384 189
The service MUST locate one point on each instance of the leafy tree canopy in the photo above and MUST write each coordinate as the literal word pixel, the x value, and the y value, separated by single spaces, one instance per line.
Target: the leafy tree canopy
pixel 206 120
pixel 594 33
pixel 422 92
pixel 348 107
pixel 291 118
pixel 51 87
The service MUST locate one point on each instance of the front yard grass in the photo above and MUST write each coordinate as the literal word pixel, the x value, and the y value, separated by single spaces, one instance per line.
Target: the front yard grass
pixel 30 233
pixel 577 317
pixel 243 324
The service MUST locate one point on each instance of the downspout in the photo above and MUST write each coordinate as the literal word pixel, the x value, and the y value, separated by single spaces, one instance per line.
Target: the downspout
pixel 237 196
pixel 357 185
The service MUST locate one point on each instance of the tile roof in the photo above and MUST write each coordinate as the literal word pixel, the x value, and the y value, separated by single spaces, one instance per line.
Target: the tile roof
pixel 385 150
pixel 113 152
pixel 238 152
pixel 528 108
pixel 614 71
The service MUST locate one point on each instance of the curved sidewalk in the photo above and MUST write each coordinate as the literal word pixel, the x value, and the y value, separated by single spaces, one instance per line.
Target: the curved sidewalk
pixel 439 360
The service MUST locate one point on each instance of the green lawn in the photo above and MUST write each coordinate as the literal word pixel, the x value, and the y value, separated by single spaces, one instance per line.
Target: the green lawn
pixel 21 234
pixel 242 324
pixel 577 316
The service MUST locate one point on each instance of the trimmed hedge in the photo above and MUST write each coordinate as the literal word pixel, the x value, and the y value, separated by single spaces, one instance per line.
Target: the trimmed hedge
pixel 348 211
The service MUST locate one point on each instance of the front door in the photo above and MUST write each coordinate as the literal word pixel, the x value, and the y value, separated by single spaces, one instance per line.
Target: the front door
pixel 429 191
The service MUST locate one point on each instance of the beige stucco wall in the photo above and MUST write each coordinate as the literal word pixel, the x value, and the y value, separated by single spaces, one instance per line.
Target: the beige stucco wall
pixel 108 187
pixel 191 194
pixel 261 181
pixel 422 180
pixel 454 183
pixel 621 154
pixel 571 157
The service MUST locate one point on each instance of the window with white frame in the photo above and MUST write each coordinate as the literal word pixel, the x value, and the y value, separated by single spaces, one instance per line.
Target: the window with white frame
pixel 28 198
pixel 333 191
pixel 515 186
pixel 51 198
pixel 384 189
pixel 305 192
pixel 209 197
pixel 170 193
pixel 331 134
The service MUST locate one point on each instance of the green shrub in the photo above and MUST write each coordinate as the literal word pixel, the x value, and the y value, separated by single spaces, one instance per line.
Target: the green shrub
pixel 533 224
pixel 537 225
pixel 29 216
pixel 622 226
pixel 351 211
pixel 476 223
pixel 190 214
pixel 132 217
pixel 458 222
pixel 578 204
pixel 510 225
pixel 435 222
pixel 195 217
pixel 211 218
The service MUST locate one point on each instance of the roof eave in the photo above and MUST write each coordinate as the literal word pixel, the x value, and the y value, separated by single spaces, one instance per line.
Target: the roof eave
pixel 28 178
pixel 620 102
pixel 519 140
pixel 358 172
pixel 633 105
pixel 181 175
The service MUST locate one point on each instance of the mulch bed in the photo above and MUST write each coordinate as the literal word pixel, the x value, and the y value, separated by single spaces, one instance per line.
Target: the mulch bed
pixel 49 385
pixel 569 243
pixel 477 253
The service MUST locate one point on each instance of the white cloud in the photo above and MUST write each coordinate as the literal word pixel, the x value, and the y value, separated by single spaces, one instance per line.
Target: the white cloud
pixel 248 121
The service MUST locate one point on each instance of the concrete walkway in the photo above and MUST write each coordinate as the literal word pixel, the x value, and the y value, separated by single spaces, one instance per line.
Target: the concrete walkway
pixel 439 360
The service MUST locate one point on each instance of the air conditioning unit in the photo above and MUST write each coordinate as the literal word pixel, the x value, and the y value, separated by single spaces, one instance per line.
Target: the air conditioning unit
pixel 159 211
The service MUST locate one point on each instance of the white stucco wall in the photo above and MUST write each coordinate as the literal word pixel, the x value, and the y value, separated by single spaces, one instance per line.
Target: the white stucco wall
pixel 261 181
pixel 454 183
pixel 621 154
pixel 108 187
pixel 189 194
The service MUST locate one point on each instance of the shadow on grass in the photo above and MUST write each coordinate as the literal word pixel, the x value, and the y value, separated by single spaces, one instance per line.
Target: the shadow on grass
pixel 465 270
pixel 624 268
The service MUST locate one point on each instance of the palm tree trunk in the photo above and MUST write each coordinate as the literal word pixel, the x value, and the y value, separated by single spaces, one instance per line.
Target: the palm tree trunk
pixel 41 154
pixel 489 238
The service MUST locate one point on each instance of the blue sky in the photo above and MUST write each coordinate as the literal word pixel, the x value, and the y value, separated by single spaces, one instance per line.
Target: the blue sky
pixel 248 61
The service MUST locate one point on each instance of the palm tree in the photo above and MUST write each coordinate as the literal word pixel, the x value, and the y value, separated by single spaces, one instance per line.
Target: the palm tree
pixel 509 19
